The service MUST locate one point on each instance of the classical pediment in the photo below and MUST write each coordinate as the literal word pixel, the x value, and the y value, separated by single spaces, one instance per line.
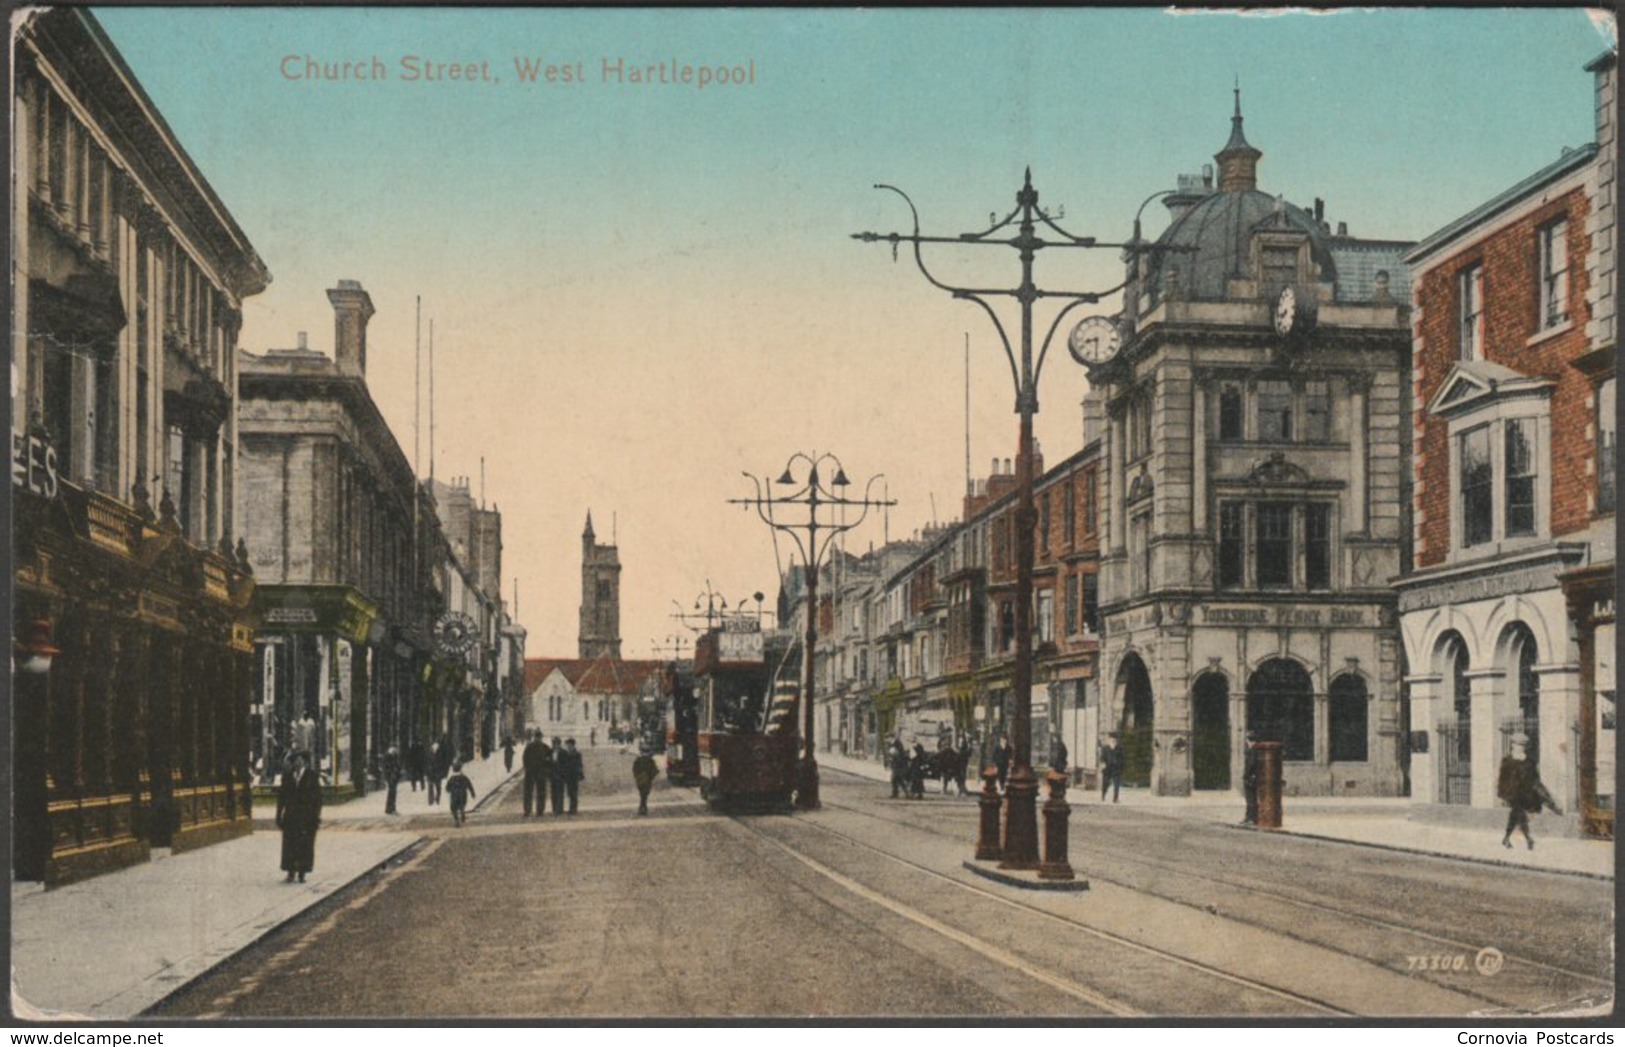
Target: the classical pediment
pixel 1474 383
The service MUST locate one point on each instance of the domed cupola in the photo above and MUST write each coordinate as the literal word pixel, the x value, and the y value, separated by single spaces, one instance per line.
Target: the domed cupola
pixel 1236 242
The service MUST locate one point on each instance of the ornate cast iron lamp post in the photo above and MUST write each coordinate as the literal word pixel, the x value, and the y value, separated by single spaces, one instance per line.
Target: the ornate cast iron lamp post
pixel 832 502
pixel 1017 230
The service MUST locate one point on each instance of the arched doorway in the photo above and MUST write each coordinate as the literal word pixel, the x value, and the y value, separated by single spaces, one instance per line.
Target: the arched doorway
pixel 1456 736
pixel 1134 727
pixel 1281 708
pixel 1349 728
pixel 1525 653
pixel 1210 731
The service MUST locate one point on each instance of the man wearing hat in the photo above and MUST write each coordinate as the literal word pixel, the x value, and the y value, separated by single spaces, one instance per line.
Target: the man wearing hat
pixel 1519 786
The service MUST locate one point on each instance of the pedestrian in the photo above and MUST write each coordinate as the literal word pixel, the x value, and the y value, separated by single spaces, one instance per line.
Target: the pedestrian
pixel 555 776
pixel 917 767
pixel 392 778
pixel 537 763
pixel 1058 755
pixel 643 773
pixel 458 790
pixel 1249 779
pixel 573 772
pixel 1111 768
pixel 1002 755
pixel 961 762
pixel 298 814
pixel 507 753
pixel 898 757
pixel 592 737
pixel 1520 787
pixel 417 762
pixel 439 765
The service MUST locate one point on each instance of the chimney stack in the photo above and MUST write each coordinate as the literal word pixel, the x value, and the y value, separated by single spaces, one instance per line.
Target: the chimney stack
pixel 352 308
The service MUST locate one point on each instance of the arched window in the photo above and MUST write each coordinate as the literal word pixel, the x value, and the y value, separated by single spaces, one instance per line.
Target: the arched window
pixel 1348 719
pixel 1281 708
pixel 1456 737
pixel 1135 726
pixel 1210 731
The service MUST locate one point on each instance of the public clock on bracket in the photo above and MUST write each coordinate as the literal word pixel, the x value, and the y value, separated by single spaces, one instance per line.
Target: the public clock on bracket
pixel 456 633
pixel 1094 340
pixel 1293 315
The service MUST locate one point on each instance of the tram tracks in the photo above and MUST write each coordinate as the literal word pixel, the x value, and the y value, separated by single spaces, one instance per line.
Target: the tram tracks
pixel 1583 988
pixel 1105 1002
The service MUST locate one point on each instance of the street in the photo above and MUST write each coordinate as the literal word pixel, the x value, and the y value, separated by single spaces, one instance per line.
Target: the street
pixel 864 909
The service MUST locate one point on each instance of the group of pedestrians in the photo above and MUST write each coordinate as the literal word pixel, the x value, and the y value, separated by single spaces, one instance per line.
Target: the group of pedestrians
pixel 551 770
pixel 422 767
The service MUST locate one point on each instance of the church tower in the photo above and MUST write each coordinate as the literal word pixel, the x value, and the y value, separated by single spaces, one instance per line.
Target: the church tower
pixel 600 632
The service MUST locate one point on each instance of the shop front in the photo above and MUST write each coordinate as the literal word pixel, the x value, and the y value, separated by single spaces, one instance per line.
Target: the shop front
pixel 131 656
pixel 312 686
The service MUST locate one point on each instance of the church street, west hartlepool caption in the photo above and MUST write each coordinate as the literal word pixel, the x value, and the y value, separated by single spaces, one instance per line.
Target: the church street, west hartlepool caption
pixel 528 70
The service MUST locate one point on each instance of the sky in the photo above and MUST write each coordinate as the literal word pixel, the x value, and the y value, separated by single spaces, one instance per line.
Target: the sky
pixel 641 291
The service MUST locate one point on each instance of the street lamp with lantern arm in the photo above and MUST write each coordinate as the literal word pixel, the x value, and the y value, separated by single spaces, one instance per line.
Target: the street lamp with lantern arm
pixel 832 499
pixel 1018 229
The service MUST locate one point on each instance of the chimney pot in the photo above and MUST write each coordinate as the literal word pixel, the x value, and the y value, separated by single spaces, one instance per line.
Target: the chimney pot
pixel 1342 229
pixel 352 308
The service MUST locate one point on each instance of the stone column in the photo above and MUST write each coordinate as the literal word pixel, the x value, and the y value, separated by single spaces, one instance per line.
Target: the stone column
pixel 1199 457
pixel 1426 784
pixel 1559 713
pixel 1486 685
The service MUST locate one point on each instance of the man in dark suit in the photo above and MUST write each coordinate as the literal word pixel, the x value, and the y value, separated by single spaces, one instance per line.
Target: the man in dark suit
pixel 537 760
pixel 572 771
pixel 298 813
pixel 555 775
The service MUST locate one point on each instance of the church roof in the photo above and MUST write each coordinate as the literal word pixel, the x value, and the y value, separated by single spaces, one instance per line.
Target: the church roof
pixel 602 675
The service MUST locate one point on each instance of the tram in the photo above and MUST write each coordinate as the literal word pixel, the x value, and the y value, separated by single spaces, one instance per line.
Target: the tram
pixel 745 737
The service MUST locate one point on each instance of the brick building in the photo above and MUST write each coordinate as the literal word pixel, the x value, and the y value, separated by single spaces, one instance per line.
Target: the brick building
pixel 1514 498
pixel 1255 495
pixel 130 714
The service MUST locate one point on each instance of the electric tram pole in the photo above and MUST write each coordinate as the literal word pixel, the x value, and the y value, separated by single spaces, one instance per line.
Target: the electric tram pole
pixel 1020 850
pixel 815 496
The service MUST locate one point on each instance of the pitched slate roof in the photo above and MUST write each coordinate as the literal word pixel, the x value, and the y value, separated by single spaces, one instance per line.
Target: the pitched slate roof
pixel 602 675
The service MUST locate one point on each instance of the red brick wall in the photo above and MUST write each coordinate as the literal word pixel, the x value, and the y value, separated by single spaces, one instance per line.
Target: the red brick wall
pixel 1511 261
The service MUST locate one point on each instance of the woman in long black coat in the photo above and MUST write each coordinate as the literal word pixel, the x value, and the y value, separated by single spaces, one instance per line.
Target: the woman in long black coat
pixel 298 813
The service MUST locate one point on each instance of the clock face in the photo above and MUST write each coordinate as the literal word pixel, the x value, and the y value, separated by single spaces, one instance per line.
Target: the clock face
pixel 455 633
pixel 1286 311
pixel 1094 341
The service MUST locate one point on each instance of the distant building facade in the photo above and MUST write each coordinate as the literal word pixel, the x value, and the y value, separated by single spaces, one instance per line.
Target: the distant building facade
pixel 131 593
pixel 342 540
pixel 1508 616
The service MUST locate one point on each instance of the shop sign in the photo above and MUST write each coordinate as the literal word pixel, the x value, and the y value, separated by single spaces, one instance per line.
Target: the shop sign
pixel 290 616
pixel 33 464
pixel 1278 615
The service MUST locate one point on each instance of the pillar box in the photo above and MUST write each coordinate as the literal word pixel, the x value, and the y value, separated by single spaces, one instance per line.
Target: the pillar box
pixel 1269 784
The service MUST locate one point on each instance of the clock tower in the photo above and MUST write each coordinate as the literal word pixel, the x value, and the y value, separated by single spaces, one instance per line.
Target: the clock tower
pixel 599 635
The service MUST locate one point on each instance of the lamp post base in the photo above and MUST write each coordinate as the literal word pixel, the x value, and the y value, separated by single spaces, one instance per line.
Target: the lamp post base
pixel 807 788
pixel 987 841
pixel 1021 821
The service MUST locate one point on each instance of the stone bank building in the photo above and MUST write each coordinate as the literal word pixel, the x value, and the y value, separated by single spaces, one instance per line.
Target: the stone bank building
pixel 1255 493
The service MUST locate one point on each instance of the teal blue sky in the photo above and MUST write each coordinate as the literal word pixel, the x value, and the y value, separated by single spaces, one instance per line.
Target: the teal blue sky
pixel 640 290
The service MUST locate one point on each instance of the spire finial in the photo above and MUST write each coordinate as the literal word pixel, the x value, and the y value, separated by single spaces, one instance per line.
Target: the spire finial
pixel 1238 96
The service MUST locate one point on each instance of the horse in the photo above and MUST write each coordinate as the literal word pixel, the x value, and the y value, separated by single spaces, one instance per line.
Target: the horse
pixel 948 766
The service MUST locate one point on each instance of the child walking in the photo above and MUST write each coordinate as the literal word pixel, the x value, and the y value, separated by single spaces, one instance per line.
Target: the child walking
pixel 459 789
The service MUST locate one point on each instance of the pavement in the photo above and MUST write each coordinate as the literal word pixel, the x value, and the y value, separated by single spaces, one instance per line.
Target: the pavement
pixel 110 947
pixel 1390 823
